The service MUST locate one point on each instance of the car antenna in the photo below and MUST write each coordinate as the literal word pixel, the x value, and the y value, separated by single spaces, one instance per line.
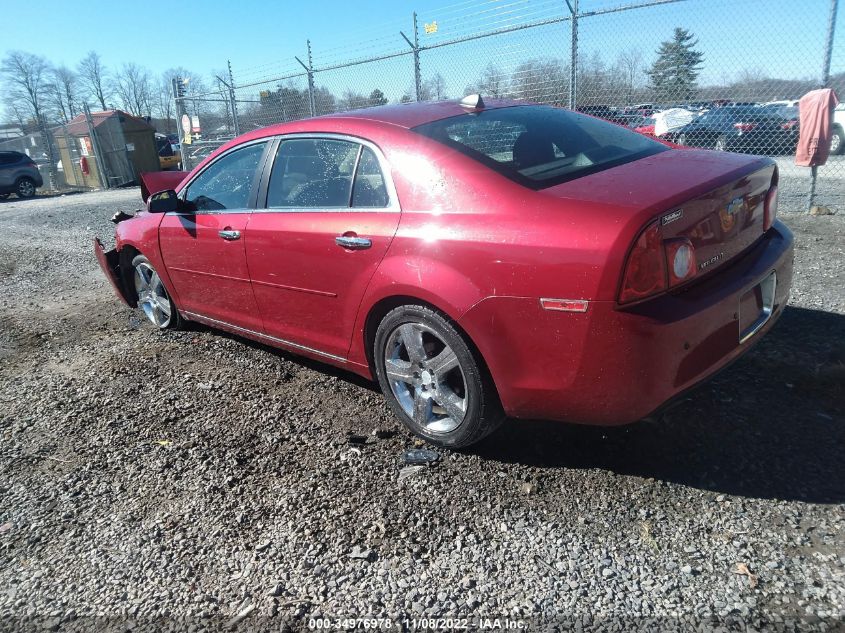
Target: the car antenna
pixel 472 102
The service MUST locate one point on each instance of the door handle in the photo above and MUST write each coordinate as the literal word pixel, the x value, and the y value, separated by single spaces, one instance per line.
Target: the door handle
pixel 229 234
pixel 353 243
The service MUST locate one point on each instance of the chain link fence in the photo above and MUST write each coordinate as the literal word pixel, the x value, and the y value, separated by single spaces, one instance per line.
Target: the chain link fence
pixel 84 154
pixel 758 57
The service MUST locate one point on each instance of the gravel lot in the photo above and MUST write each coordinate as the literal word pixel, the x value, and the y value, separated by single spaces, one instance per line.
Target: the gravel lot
pixel 180 481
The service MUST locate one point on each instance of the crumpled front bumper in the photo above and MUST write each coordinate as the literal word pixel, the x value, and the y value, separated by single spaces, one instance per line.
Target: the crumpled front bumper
pixel 110 263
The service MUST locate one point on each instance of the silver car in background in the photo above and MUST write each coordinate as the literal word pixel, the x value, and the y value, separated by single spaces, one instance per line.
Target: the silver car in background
pixel 18 175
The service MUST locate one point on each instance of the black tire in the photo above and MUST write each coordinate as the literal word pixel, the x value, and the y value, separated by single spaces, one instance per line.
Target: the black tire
pixel 837 143
pixel 24 187
pixel 155 309
pixel 468 380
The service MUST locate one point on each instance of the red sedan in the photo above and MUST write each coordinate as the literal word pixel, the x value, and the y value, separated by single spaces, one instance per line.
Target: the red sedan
pixel 478 260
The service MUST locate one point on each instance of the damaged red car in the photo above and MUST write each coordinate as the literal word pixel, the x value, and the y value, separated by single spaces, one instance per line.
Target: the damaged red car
pixel 479 260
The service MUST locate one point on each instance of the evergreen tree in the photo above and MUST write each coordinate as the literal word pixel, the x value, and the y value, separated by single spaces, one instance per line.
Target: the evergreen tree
pixel 377 98
pixel 677 67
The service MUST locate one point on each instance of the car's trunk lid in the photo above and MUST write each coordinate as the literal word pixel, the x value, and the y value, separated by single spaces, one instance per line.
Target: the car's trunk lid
pixel 714 199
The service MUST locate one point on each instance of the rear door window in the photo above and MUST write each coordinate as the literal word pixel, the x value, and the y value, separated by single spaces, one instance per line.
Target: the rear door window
pixel 312 174
pixel 325 173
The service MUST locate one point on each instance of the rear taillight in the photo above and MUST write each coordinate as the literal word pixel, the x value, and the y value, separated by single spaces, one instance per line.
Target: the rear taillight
pixel 770 208
pixel 744 127
pixel 645 270
pixel 789 124
pixel 655 265
pixel 680 255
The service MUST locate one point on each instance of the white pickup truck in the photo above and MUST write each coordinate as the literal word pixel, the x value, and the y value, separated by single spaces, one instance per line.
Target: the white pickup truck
pixel 837 143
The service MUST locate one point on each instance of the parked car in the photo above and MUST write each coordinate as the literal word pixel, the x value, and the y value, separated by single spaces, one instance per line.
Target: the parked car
pixel 19 175
pixel 783 102
pixel 168 156
pixel 476 260
pixel 645 126
pixel 605 112
pixel 742 129
pixel 643 109
pixel 837 142
pixel 790 121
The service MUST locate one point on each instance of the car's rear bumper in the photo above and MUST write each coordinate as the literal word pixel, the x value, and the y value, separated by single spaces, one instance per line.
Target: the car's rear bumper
pixel 614 366
pixel 110 263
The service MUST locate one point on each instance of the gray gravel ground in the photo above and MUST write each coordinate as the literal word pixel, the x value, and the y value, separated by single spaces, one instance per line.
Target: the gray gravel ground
pixel 180 481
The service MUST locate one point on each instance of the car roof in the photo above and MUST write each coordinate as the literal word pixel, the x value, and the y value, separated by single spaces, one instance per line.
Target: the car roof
pixel 409 115
pixel 403 115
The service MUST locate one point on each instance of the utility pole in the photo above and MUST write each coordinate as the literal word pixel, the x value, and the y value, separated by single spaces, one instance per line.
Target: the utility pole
pixel 415 47
pixel 232 100
pixel 825 83
pixel 309 70
pixel 102 175
pixel 178 87
pixel 232 108
pixel 573 54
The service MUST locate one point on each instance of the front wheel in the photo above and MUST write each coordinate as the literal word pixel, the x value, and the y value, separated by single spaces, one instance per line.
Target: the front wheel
pixel 3 196
pixel 25 187
pixel 721 144
pixel 432 380
pixel 837 142
pixel 152 295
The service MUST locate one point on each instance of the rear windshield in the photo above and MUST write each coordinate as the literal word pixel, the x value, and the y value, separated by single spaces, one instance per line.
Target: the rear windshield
pixel 540 146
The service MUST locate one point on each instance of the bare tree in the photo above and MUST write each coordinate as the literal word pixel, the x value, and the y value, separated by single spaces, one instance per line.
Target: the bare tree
pixel 62 93
pixel 492 83
pixel 133 87
pixel 351 100
pixel 94 78
pixel 27 76
pixel 630 64
pixel 434 88
pixel 163 99
pixel 18 115
pixel 542 81
pixel 27 79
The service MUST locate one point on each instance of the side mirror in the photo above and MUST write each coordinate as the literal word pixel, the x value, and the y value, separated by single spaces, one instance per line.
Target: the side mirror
pixel 163 202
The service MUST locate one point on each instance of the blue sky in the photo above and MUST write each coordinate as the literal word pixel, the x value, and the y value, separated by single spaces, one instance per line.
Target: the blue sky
pixel 782 38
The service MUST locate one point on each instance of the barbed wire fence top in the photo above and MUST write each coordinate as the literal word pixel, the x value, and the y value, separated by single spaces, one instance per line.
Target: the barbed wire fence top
pixel 619 61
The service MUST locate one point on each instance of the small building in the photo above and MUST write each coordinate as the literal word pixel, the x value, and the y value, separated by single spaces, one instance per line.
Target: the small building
pixel 125 145
pixel 10 131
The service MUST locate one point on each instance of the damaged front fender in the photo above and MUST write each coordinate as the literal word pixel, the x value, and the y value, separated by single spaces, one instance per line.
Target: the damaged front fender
pixel 110 263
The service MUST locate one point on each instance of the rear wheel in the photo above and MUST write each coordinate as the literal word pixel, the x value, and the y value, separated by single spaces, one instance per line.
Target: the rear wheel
pixel 3 196
pixel 25 187
pixel 721 144
pixel 682 139
pixel 152 295
pixel 837 141
pixel 432 380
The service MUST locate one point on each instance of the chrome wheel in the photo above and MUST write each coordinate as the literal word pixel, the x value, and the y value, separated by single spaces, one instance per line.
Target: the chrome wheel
pixel 721 145
pixel 152 297
pixel 835 143
pixel 26 188
pixel 426 377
